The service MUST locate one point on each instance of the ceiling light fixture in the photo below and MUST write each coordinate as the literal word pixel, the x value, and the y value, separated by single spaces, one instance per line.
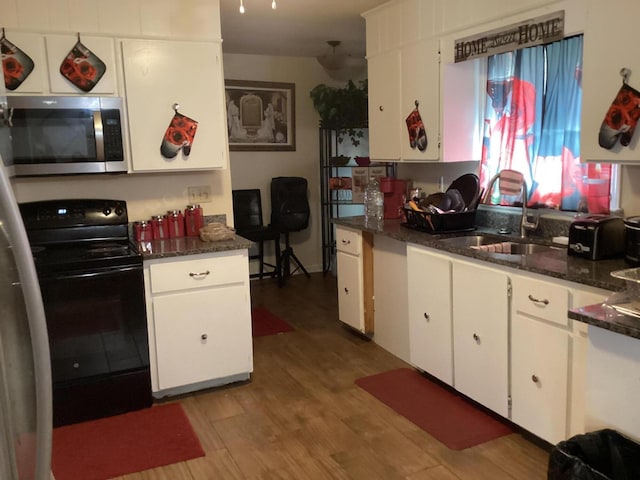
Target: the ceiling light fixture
pixel 341 66
pixel 273 5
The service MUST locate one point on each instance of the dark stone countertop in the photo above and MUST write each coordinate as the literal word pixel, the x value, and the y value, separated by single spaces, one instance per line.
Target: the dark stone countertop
pixel 603 317
pixel 555 263
pixel 176 247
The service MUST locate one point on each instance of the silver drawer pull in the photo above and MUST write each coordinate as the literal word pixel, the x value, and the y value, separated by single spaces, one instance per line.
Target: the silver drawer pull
pixel 199 275
pixel 544 301
pixel 535 379
pixel 204 336
pixel 476 337
pixel 426 316
pixel 346 242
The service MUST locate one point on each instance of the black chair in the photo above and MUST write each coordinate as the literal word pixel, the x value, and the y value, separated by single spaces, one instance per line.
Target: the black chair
pixel 247 219
pixel 289 213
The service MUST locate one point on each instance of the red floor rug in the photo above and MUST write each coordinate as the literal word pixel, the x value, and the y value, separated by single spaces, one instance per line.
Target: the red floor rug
pixel 263 322
pixel 114 446
pixel 449 418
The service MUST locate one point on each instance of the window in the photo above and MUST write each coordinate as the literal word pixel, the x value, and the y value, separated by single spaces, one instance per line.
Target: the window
pixel 532 125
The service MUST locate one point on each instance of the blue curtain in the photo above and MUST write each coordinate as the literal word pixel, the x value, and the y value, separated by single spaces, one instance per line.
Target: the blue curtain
pixel 532 121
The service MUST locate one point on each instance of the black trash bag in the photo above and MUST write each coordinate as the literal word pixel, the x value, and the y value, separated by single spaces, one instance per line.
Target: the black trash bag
pixel 600 455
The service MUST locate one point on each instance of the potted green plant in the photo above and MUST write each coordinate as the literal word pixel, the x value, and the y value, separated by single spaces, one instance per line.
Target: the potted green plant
pixel 342 109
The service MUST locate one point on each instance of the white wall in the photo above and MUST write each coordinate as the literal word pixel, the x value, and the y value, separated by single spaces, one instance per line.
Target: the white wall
pixel 256 169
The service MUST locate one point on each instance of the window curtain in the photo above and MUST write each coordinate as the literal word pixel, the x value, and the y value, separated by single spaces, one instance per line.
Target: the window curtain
pixel 532 125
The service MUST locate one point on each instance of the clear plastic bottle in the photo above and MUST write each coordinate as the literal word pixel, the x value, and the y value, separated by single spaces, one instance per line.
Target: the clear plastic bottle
pixel 373 201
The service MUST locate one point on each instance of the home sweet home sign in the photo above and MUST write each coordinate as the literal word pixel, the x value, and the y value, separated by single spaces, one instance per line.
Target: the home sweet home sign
pixel 535 31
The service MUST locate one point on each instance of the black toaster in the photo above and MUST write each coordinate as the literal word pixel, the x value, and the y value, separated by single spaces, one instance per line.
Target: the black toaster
pixel 596 237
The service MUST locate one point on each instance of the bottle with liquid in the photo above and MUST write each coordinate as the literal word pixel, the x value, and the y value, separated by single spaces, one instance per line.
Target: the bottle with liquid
pixel 373 201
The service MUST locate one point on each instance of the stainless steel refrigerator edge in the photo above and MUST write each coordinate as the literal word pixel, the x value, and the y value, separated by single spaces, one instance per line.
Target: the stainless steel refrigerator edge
pixel 25 369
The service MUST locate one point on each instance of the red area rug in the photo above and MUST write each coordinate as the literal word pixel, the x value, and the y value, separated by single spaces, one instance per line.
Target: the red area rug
pixel 449 418
pixel 123 444
pixel 263 322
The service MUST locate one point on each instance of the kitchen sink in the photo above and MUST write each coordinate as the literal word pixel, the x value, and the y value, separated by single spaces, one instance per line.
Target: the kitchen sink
pixel 471 241
pixel 494 244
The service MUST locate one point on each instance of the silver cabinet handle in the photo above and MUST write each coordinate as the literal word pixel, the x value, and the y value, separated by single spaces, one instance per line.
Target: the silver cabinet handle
pixel 381 108
pixel 346 242
pixel 544 301
pixel 204 336
pixel 199 275
pixel 534 378
pixel 476 337
pixel 426 316
pixel 346 290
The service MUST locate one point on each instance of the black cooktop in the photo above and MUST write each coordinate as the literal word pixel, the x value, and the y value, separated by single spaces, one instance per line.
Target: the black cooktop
pixel 72 234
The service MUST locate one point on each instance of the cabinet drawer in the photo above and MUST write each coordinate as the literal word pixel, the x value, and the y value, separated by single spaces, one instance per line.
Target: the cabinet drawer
pixel 198 273
pixel 348 241
pixel 544 300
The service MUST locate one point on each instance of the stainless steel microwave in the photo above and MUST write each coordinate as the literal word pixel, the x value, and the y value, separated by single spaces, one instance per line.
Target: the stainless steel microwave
pixel 66 135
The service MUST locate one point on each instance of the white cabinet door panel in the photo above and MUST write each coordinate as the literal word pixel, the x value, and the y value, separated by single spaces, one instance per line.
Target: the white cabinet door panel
pixel 480 333
pixel 201 335
pixel 430 324
pixel 58 47
pixel 384 106
pixel 539 378
pixel 350 291
pixel 159 74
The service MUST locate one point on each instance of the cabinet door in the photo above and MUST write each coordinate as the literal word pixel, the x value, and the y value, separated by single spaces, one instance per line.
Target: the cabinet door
pixel 202 335
pixel 350 290
pixel 33 46
pixel 430 326
pixel 159 74
pixel 421 84
pixel 59 46
pixel 539 376
pixel 480 334
pixel 603 58
pixel 384 106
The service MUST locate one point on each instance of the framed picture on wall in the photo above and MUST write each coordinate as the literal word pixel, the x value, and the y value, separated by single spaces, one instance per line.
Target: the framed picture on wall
pixel 260 115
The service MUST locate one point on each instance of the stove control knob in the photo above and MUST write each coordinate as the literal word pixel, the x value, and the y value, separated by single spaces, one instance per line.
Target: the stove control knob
pixel 106 211
pixel 119 211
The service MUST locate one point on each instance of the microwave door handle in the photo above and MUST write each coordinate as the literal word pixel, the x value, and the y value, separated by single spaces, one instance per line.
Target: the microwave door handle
pixel 99 132
pixel 6 114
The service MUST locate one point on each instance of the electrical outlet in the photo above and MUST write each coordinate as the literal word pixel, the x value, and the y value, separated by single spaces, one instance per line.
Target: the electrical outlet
pixel 201 194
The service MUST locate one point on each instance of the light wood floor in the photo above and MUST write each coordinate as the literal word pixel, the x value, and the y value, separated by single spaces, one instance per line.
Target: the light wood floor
pixel 302 417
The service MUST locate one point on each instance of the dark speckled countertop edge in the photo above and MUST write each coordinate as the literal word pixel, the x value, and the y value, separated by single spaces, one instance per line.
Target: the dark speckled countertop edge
pixel 596 315
pixel 555 263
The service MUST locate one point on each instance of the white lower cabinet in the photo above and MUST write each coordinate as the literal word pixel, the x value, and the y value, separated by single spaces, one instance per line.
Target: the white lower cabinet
pixel 355 280
pixel 199 316
pixel 540 344
pixel 481 334
pixel 430 322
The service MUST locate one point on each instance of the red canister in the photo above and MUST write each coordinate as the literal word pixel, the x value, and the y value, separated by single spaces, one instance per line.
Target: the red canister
pixel 142 231
pixel 160 227
pixel 176 223
pixel 193 220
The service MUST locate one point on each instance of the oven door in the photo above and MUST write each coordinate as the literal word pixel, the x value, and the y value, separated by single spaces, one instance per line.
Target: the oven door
pixel 96 322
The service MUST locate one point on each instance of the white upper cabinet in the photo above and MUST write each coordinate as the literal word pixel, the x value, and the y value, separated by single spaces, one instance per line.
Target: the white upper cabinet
pixel 31 45
pixel 384 106
pixel 159 74
pixel 59 46
pixel 420 84
pixel 604 56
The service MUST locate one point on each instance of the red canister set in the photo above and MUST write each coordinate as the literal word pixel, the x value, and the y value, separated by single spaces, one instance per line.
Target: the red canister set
pixel 174 224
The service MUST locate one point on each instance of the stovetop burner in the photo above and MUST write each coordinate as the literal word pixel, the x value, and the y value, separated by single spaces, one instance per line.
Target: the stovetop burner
pixel 79 234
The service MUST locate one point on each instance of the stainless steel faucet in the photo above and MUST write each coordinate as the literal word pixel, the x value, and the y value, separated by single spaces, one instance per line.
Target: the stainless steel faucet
pixel 525 223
